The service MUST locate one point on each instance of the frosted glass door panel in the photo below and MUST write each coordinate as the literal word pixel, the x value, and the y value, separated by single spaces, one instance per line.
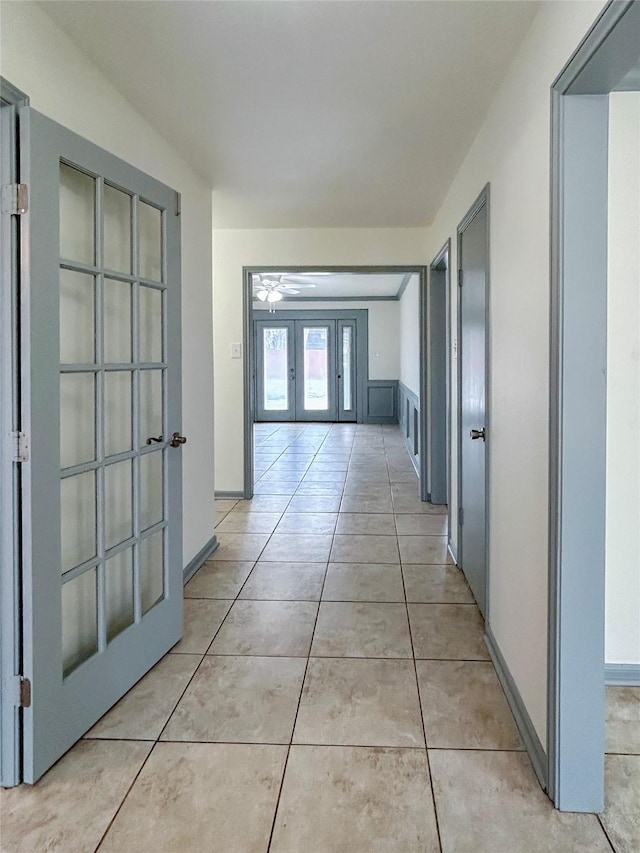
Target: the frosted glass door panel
pixel 77 305
pixel 117 322
pixel 316 369
pixel 275 343
pixel 117 412
pixel 150 404
pixel 151 555
pixel 119 592
pixel 150 242
pixel 118 504
pixel 78 519
pixel 77 418
pixel 79 620
pixel 77 215
pixel 151 489
pixel 347 367
pixel 150 324
pixel 116 207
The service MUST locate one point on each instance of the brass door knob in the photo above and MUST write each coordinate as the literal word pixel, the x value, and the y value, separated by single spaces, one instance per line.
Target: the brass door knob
pixel 177 440
pixel 477 433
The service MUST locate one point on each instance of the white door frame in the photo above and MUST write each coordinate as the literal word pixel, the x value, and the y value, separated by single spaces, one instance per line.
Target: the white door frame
pixel 577 438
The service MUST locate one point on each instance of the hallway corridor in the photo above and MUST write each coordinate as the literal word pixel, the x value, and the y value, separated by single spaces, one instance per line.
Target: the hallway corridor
pixel 327 644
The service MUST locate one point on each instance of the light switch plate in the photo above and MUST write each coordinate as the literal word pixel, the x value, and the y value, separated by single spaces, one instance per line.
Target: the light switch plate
pixel 236 350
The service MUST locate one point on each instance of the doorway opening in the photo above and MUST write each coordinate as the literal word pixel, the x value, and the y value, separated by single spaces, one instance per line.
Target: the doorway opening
pixel 435 379
pixel 322 344
pixel 584 283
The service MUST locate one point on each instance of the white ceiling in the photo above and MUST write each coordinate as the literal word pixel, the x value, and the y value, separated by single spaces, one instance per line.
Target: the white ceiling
pixel 306 113
pixel 344 284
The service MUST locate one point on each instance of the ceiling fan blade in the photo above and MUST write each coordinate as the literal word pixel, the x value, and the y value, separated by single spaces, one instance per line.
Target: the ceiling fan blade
pixel 284 289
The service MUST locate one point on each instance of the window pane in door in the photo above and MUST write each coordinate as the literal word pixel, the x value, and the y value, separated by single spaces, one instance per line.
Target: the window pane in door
pixel 78 519
pixel 151 491
pixel 118 503
pixel 346 367
pixel 77 215
pixel 151 570
pixel 117 411
pixel 275 346
pixel 77 300
pixel 150 405
pixel 150 324
pixel 119 592
pixel 116 207
pixel 150 241
pixel 77 420
pixel 117 321
pixel 79 620
pixel 316 369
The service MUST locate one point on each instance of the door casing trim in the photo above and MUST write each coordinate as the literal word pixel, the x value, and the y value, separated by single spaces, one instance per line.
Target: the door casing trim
pixel 575 689
pixel 248 347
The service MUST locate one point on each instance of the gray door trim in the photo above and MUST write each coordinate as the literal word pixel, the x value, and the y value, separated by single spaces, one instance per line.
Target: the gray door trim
pixel 249 347
pixel 577 422
pixel 441 265
pixel 483 200
pixel 10 571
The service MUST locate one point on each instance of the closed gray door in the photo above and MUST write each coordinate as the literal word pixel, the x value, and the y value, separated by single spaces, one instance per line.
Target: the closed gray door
pixel 101 383
pixel 472 360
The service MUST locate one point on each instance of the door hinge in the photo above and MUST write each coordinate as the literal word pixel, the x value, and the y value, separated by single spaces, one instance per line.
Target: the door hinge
pixel 19 689
pixel 460 515
pixel 25 692
pixel 15 199
pixel 459 278
pixel 20 447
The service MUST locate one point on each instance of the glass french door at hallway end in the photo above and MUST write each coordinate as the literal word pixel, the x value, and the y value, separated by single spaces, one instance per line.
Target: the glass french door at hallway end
pixel 305 370
pixel 102 543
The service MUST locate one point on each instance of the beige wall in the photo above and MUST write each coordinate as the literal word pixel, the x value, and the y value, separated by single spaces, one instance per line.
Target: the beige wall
pixel 623 383
pixel 233 249
pixel 511 151
pixel 61 82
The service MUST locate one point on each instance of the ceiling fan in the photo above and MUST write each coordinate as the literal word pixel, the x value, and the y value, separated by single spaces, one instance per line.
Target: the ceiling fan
pixel 272 287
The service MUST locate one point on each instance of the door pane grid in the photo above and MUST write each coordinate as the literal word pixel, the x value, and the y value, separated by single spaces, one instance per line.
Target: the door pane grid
pixel 107 595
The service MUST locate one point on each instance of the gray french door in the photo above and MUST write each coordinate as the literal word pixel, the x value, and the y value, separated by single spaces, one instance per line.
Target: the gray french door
pixel 305 370
pixel 473 265
pixel 101 397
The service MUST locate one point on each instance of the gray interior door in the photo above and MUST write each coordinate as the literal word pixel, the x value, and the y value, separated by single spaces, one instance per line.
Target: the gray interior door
pixel 473 259
pixel 316 370
pixel 101 490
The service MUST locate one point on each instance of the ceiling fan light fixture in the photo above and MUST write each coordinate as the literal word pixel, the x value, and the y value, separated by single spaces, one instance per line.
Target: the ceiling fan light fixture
pixel 262 295
pixel 274 296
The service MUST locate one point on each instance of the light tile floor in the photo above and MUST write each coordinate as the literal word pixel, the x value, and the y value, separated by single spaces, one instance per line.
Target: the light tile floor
pixel 332 692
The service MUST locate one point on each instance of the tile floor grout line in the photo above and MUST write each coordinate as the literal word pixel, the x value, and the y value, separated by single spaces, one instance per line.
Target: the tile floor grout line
pixel 424 728
pixel 295 718
pixel 606 834
pixel 157 740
